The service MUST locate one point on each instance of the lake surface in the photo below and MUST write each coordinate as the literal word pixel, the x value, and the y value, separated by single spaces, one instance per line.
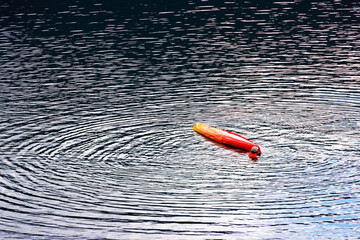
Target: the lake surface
pixel 98 99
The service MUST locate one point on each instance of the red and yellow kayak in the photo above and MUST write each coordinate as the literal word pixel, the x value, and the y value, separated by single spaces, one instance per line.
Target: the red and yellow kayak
pixel 225 137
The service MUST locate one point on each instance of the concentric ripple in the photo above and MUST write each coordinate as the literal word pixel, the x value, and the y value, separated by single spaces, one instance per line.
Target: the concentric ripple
pixel 98 102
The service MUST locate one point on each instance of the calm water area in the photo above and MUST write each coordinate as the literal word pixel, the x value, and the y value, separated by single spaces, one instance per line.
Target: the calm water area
pixel 98 99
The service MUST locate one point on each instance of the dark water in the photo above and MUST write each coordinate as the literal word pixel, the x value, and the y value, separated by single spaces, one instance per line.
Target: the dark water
pixel 98 100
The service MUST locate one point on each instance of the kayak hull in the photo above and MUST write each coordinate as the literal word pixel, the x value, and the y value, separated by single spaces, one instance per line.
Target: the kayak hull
pixel 225 137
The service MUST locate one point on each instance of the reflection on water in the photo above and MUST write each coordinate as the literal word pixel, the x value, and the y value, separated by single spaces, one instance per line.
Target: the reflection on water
pixel 98 100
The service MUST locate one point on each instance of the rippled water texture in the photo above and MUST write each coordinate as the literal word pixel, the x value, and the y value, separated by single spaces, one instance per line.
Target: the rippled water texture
pixel 98 100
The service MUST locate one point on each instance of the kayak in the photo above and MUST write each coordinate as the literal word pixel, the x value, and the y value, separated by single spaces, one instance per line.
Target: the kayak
pixel 225 137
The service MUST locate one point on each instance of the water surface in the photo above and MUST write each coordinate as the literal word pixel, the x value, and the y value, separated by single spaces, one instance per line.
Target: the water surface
pixel 98 100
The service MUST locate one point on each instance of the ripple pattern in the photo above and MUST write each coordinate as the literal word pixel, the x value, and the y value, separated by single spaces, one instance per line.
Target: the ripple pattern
pixel 98 101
